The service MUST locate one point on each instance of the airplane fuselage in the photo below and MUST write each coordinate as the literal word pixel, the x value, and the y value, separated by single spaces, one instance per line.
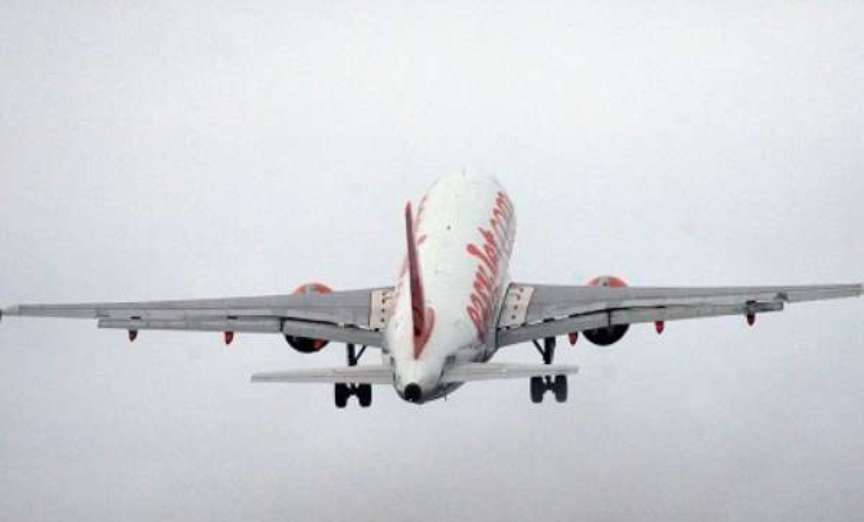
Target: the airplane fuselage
pixel 464 229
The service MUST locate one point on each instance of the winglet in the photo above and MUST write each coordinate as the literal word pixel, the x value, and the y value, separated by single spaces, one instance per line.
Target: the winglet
pixel 418 301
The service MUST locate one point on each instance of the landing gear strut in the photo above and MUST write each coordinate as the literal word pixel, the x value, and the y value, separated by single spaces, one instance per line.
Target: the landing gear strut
pixel 343 391
pixel 547 350
pixel 556 384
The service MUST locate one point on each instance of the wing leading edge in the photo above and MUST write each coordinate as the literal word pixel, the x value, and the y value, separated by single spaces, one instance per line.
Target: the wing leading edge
pixel 538 311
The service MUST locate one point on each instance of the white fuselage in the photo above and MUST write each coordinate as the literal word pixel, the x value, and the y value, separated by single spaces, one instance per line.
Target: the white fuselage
pixel 464 229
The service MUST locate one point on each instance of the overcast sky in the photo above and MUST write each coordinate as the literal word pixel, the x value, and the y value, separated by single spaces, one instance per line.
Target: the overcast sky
pixel 190 149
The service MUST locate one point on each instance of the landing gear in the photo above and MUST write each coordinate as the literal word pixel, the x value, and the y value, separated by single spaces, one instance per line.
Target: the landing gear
pixel 364 395
pixel 547 350
pixel 352 355
pixel 540 385
pixel 343 391
pixel 557 385
pixel 538 389
pixel 340 395
pixel 559 388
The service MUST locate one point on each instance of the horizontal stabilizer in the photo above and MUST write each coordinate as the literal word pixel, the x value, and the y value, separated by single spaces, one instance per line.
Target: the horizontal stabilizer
pixel 352 374
pixel 384 374
pixel 494 371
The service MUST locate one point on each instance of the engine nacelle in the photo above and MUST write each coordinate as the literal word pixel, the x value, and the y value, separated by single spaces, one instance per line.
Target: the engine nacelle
pixel 304 344
pixel 613 334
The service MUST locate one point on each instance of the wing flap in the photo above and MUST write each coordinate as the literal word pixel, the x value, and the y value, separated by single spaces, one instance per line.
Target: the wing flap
pixel 195 325
pixel 627 316
pixel 328 332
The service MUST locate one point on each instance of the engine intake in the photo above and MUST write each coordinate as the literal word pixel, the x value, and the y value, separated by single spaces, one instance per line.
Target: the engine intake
pixel 613 334
pixel 305 344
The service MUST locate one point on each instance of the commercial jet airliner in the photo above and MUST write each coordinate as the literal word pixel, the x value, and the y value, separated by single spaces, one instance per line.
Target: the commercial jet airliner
pixel 453 307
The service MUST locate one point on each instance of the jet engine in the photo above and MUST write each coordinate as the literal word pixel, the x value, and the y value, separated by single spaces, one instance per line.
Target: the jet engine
pixel 613 334
pixel 304 344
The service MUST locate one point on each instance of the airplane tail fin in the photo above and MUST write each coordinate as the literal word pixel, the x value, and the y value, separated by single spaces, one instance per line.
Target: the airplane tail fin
pixel 418 301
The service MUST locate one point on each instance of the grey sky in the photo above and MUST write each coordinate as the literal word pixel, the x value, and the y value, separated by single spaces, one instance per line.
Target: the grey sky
pixel 153 150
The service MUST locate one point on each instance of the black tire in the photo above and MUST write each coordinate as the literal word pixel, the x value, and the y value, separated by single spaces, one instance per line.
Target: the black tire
pixel 364 395
pixel 559 387
pixel 340 395
pixel 538 389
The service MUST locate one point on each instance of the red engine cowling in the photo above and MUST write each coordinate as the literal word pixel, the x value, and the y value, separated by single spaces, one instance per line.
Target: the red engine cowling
pixel 304 344
pixel 613 334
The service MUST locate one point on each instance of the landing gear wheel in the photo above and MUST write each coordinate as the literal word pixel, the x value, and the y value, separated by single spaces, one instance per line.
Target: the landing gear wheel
pixel 559 388
pixel 364 395
pixel 340 395
pixel 538 389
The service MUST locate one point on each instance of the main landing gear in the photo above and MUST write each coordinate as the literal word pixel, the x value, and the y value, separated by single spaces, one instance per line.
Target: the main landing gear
pixel 556 384
pixel 343 391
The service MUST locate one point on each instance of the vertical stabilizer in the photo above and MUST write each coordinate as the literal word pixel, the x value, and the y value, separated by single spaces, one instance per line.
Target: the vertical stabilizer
pixel 418 302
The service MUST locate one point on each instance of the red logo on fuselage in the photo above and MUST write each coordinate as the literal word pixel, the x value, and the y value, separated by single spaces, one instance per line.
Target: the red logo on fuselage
pixel 492 253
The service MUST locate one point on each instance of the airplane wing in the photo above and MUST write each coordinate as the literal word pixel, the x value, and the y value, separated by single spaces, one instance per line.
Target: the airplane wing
pixel 354 316
pixel 533 312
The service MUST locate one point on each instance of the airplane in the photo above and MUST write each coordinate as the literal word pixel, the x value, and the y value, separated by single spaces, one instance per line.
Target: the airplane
pixel 452 308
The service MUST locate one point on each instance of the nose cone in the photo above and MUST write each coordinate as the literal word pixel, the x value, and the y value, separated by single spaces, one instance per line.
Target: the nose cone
pixel 412 393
